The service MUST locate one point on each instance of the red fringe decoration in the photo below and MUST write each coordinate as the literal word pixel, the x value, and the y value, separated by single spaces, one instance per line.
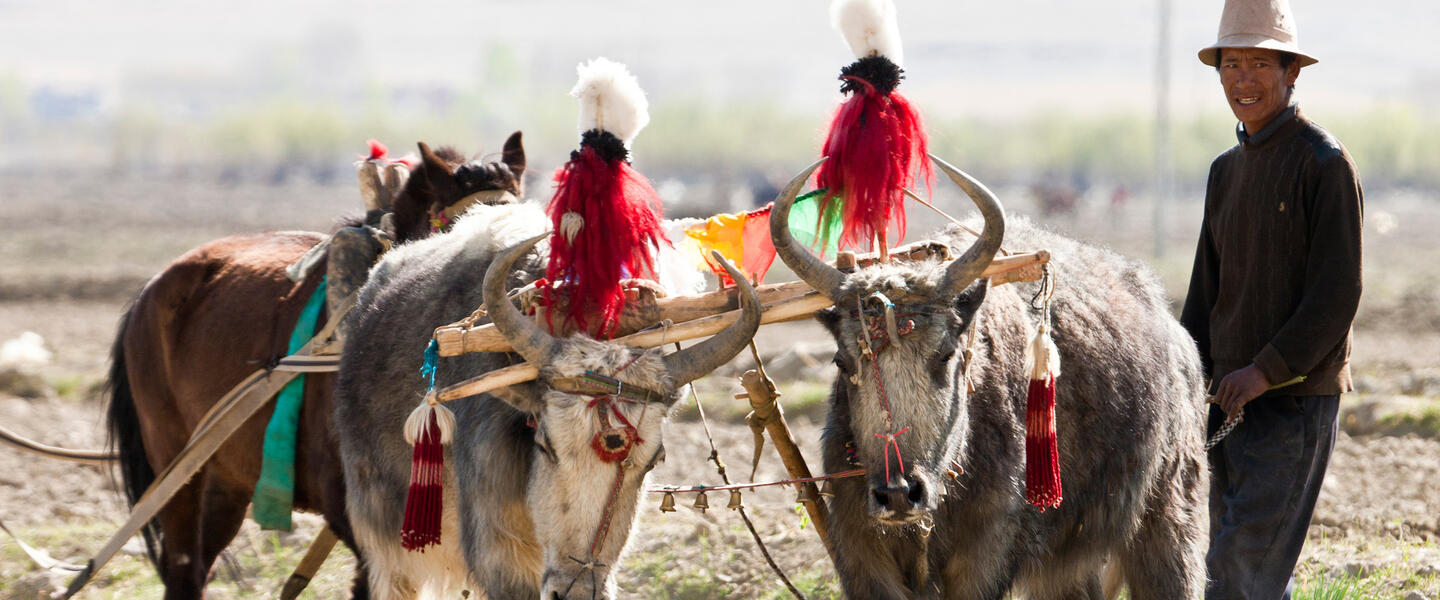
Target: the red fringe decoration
pixel 424 503
pixel 1042 457
pixel 377 150
pixel 875 147
pixel 621 233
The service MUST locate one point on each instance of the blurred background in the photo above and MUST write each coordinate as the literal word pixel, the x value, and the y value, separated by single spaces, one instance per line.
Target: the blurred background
pixel 133 131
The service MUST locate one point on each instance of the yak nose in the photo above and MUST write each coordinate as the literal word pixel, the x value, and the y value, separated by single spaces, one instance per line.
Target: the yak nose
pixel 902 497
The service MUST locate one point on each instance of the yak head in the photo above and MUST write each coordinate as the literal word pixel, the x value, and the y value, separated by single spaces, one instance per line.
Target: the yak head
pixel 598 409
pixel 902 331
pixel 444 184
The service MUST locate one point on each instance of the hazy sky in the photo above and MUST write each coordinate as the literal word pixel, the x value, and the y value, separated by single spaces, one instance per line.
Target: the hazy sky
pixel 964 57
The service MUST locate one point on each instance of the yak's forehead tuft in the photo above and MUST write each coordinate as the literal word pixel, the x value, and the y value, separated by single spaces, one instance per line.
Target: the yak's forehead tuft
pixel 915 279
pixel 578 354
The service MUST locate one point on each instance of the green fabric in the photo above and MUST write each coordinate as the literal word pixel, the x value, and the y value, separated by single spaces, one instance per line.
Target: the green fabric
pixel 807 226
pixel 275 491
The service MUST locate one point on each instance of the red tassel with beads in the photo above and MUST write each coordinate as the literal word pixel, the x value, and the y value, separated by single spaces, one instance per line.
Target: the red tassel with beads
pixel 429 428
pixel 1042 453
pixel 875 148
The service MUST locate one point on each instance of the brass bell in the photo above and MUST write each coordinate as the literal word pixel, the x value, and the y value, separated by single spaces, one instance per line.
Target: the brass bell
pixel 806 495
pixel 826 490
pixel 668 503
pixel 701 502
pixel 735 500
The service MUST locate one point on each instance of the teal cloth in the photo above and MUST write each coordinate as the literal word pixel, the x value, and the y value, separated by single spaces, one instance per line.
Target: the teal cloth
pixel 275 491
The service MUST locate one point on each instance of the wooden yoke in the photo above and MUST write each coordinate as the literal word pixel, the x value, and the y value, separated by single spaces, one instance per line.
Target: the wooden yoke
pixel 788 301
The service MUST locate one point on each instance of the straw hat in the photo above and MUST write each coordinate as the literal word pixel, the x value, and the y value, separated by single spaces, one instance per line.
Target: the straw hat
pixel 1256 24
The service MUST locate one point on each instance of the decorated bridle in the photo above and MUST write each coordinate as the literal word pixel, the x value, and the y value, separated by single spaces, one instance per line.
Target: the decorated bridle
pixel 442 218
pixel 881 329
pixel 612 443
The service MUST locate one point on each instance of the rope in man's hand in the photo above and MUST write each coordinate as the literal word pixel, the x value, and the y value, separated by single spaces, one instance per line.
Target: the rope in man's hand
pixel 1232 421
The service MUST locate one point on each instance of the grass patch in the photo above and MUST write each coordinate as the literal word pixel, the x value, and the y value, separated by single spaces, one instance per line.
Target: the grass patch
pixel 1424 422
pixel 256 569
pixel 1343 588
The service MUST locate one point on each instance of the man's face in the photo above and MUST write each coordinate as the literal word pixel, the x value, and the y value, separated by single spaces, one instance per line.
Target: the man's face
pixel 1256 86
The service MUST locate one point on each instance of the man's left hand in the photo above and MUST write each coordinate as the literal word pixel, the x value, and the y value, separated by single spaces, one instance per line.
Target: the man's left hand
pixel 1239 388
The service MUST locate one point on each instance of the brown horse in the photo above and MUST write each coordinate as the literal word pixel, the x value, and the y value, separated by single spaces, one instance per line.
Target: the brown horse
pixel 215 315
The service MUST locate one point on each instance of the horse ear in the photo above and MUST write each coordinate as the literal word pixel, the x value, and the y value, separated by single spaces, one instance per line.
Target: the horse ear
pixel 514 156
pixel 430 160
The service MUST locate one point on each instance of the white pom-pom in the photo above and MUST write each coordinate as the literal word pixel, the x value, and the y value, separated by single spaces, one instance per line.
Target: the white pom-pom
pixel 869 27
pixel 420 417
pixel 610 99
pixel 1041 355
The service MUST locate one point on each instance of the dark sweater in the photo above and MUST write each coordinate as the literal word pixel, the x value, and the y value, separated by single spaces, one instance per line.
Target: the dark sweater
pixel 1277 272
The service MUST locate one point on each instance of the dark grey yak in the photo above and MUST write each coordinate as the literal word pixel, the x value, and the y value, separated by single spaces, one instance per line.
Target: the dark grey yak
pixel 1129 399
pixel 530 509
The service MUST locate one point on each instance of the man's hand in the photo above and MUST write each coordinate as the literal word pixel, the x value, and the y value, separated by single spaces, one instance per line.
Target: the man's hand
pixel 1239 388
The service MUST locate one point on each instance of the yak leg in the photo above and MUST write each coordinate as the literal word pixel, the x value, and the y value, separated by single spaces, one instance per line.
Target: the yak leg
pixel 1166 558
pixel 1088 588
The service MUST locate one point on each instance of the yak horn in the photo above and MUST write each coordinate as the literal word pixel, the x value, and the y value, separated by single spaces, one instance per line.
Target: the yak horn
pixel 527 338
pixel 970 265
pixel 819 274
pixel 699 360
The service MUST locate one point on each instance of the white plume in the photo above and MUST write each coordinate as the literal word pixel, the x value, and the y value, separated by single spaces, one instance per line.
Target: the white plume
pixel 868 26
pixel 610 99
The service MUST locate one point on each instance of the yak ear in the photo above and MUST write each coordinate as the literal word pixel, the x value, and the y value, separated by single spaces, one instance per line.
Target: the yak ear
pixel 830 319
pixel 524 397
pixel 969 300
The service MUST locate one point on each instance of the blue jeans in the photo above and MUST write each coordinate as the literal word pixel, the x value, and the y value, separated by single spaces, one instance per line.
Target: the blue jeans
pixel 1265 478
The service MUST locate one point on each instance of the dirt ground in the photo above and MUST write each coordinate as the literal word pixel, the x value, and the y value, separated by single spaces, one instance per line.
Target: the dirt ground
pixel 1378 516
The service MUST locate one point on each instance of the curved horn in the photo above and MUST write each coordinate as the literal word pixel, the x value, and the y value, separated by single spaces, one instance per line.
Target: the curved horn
pixel 819 274
pixel 970 265
pixel 696 361
pixel 527 338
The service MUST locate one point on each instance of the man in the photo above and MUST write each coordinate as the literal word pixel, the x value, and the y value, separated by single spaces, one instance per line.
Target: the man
pixel 1272 296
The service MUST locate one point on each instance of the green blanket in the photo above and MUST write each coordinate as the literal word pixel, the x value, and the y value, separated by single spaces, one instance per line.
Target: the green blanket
pixel 275 492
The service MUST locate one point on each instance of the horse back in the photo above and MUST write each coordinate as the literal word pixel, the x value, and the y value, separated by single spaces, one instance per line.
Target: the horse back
pixel 212 317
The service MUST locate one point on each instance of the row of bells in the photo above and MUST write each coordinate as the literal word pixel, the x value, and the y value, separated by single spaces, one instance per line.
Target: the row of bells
pixel 667 504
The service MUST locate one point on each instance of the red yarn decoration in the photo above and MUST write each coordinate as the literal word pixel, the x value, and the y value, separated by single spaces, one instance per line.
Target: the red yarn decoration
pixel 875 146
pixel 377 150
pixel 618 240
pixel 424 501
pixel 1042 455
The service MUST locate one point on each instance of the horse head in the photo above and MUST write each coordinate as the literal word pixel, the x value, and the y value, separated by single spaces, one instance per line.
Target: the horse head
pixel 444 184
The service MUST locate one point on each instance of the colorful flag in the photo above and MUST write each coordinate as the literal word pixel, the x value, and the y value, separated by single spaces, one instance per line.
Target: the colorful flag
pixel 744 238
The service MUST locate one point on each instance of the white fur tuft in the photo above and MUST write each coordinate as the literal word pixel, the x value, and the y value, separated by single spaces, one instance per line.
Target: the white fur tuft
pixel 868 26
pixel 610 99
pixel 420 418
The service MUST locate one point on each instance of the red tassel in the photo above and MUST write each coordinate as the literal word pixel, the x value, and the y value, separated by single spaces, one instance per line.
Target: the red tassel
pixel 1042 457
pixel 618 238
pixel 424 503
pixel 875 147
pixel 377 150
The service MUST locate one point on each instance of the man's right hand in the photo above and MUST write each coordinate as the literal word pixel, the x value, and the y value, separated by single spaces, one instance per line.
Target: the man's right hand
pixel 1239 388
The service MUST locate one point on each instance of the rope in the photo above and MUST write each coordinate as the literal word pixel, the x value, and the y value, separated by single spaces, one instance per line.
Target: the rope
pixel 720 468
pixel 671 489
pixel 1230 423
pixel 94 457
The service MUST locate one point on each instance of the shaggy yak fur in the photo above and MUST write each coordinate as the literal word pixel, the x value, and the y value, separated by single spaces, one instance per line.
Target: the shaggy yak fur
pixel 215 315
pixel 1129 407
pixel 524 491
